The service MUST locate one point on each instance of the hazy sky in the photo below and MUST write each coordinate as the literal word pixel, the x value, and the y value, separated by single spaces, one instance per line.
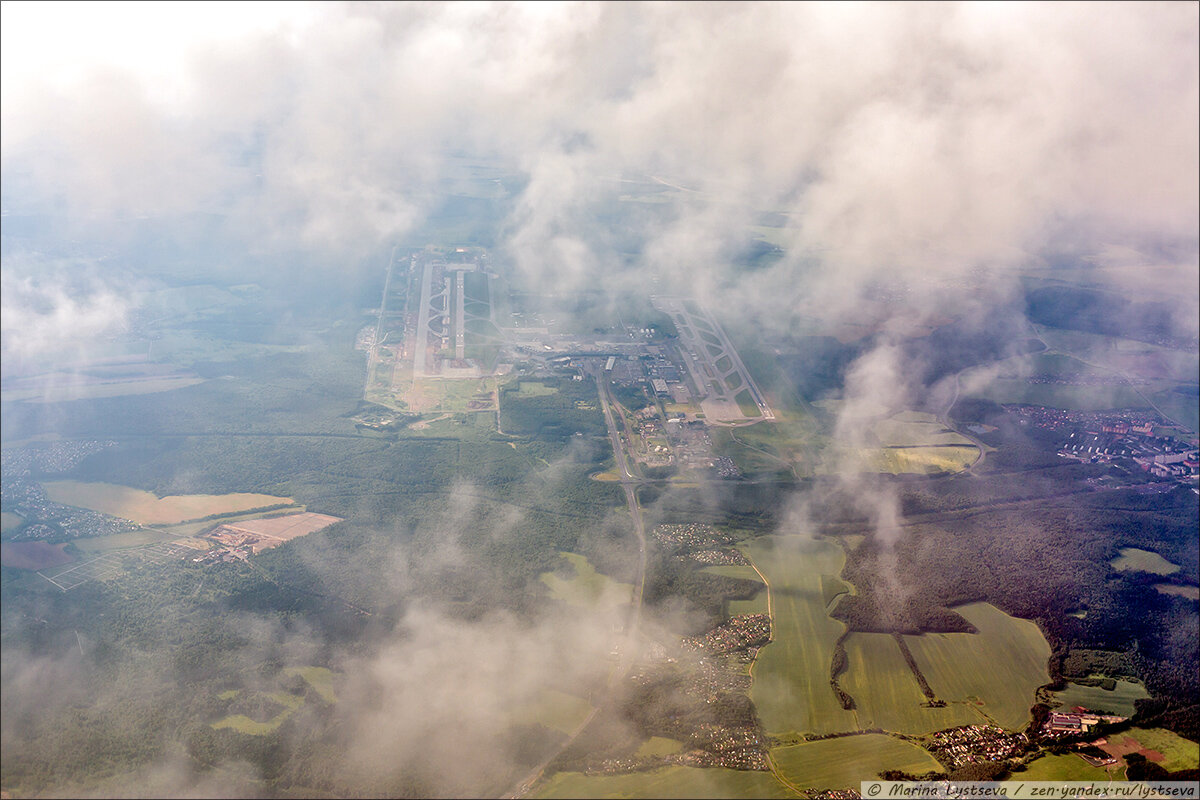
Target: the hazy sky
pixel 933 136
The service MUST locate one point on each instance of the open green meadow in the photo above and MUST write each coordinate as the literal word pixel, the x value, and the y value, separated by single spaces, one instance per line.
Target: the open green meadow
pixel 1067 767
pixel 586 587
pixel 843 762
pixel 9 520
pixel 791 675
pixel 997 670
pixel 668 782
pixel 1134 560
pixel 886 693
pixel 146 508
pixel 1094 698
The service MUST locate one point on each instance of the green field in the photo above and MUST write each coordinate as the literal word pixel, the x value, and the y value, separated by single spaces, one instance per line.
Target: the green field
pixel 658 746
pixel 926 460
pixel 586 587
pixel 746 403
pixel 148 509
pixel 1177 753
pixel 1069 767
pixel 535 389
pixel 997 669
pixel 843 762
pixel 668 782
pixel 1076 398
pixel 1135 560
pixel 914 428
pixel 243 724
pixel 1094 698
pixel 788 443
pixel 8 520
pixel 919 460
pixel 791 675
pixel 319 678
pixel 886 693
pixel 557 710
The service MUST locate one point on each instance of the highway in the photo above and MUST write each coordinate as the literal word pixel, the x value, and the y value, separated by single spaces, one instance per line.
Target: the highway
pixel 629 483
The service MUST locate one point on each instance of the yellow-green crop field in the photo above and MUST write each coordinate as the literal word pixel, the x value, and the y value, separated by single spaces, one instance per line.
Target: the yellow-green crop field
pixel 586 587
pixel 998 669
pixel 148 509
pixel 668 782
pixel 918 460
pixel 843 762
pixel 886 693
pixel 791 675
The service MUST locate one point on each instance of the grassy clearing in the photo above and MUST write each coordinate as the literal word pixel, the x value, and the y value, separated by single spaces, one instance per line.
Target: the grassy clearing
pixel 998 669
pixel 586 587
pixel 1068 767
pixel 319 678
pixel 1117 701
pixel 148 509
pixel 658 746
pixel 9 520
pixel 842 763
pixel 669 782
pixel 1135 560
pixel 886 693
pixel 746 403
pixel 243 724
pixel 535 389
pixel 791 676
pixel 1192 592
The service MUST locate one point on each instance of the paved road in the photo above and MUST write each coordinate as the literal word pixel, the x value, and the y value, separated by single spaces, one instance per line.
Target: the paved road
pixel 629 484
